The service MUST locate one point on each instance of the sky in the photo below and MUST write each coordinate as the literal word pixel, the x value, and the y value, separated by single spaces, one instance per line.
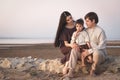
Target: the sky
pixel 38 19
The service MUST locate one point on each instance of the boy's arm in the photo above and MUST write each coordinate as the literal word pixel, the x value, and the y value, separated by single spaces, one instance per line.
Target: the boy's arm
pixel 102 41
pixel 90 50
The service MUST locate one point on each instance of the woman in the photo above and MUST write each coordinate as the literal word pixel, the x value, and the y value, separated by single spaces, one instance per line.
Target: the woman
pixel 63 36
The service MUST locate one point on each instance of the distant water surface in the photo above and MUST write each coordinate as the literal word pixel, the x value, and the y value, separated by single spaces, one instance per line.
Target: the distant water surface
pixel 25 41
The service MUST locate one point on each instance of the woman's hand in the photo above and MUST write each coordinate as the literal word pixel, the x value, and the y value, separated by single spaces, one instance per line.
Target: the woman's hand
pixel 73 45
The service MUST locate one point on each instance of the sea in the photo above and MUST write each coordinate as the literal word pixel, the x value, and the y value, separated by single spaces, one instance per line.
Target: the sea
pixel 6 43
pixel 25 41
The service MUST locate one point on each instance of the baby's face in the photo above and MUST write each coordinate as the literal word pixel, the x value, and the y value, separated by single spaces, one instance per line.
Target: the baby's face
pixel 79 27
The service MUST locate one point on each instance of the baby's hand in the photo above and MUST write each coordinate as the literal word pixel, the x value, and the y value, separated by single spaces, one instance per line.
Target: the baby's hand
pixel 76 34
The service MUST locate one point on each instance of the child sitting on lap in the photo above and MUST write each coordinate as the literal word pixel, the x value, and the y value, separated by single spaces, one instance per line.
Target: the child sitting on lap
pixel 81 38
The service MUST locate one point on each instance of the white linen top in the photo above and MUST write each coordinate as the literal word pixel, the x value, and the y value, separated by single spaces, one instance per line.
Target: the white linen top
pixel 81 39
pixel 97 37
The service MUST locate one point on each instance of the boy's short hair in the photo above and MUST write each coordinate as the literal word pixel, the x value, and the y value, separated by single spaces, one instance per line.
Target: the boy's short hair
pixel 80 21
pixel 92 16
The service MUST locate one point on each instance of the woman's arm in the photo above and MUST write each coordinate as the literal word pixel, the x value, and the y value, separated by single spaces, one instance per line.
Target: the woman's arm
pixel 74 45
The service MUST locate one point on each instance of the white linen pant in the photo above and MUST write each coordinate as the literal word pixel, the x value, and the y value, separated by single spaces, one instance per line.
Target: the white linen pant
pixel 99 56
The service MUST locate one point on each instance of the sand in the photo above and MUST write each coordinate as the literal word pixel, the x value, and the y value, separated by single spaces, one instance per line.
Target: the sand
pixel 46 51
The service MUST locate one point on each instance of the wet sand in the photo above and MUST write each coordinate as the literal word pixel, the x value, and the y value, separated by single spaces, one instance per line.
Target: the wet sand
pixel 45 50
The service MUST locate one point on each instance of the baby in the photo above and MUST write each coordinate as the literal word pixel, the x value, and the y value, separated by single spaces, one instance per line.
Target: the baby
pixel 81 38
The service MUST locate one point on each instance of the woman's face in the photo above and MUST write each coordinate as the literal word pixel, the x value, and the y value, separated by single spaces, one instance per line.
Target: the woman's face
pixel 69 19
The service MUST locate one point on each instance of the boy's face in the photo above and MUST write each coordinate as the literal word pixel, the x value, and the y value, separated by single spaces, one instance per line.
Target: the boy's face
pixel 79 27
pixel 89 23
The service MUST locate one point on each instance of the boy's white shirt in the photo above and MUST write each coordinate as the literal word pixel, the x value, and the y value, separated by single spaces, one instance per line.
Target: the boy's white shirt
pixel 97 38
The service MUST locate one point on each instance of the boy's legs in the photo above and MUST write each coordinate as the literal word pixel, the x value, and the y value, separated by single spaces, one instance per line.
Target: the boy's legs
pixel 98 57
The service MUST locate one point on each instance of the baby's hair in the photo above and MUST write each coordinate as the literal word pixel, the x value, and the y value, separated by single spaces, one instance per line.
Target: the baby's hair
pixel 80 21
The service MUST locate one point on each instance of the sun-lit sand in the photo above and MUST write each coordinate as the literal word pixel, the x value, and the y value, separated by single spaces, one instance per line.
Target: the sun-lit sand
pixel 47 51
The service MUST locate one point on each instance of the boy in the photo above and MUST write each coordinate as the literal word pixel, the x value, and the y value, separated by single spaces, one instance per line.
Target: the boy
pixel 97 40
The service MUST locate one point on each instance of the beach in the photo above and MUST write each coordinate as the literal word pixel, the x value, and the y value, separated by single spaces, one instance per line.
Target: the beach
pixel 47 51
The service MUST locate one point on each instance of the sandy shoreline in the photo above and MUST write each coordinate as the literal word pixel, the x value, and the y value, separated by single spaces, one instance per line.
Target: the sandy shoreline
pixel 43 50
pixel 46 51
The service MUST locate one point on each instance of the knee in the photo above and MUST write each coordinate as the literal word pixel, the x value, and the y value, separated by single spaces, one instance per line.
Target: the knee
pixel 96 53
pixel 74 50
pixel 96 56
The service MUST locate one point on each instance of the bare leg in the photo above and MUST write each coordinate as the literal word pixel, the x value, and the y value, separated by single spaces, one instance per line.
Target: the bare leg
pixel 89 59
pixel 84 69
pixel 82 60
pixel 98 57
pixel 65 69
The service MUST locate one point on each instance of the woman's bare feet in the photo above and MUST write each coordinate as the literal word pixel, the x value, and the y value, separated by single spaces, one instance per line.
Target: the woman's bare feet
pixel 65 70
pixel 70 73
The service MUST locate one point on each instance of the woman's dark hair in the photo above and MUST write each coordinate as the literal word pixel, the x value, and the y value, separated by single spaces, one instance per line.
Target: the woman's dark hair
pixel 92 16
pixel 62 23
pixel 80 21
